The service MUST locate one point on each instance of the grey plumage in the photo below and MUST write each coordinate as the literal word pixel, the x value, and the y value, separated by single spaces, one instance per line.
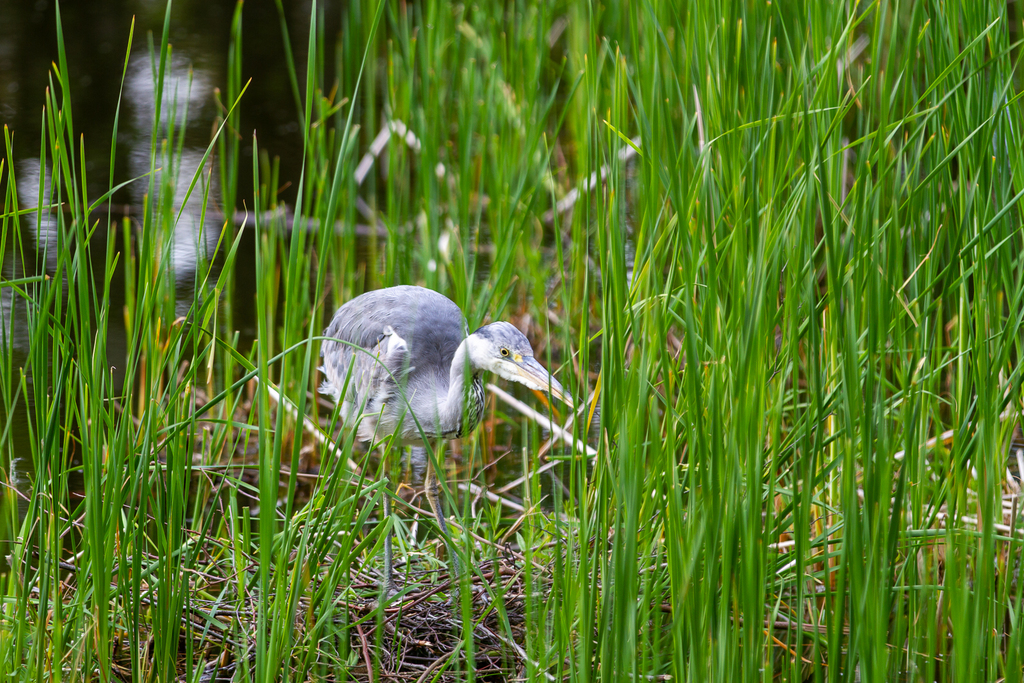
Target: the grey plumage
pixel 408 334
pixel 400 352
pixel 399 361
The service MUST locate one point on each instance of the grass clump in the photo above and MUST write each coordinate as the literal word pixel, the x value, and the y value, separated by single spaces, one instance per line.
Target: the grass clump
pixel 773 248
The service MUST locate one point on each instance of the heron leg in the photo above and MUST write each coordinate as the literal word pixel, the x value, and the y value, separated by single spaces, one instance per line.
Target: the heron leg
pixel 430 484
pixel 388 582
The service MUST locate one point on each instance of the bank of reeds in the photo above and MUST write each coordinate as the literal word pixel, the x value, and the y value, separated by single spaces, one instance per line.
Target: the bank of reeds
pixel 773 248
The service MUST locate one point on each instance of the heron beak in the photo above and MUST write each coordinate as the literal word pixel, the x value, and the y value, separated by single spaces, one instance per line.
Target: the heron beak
pixel 532 374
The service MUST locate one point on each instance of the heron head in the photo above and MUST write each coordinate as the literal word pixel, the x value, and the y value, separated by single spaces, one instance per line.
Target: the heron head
pixel 504 350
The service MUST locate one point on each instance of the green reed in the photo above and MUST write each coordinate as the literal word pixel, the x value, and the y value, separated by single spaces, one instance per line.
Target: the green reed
pixel 791 312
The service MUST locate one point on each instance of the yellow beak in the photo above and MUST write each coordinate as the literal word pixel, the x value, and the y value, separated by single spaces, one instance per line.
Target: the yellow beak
pixel 532 374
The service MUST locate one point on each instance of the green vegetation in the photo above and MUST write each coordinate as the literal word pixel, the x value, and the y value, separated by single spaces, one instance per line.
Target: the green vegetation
pixel 795 299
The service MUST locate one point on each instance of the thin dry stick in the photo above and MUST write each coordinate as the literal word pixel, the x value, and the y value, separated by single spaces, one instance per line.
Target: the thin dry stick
pixel 542 421
pixel 440 661
pixel 518 482
pixel 854 51
pixel 308 425
pixel 626 153
pixel 244 219
pixel 1004 528
pixel 1013 517
pixel 515 646
pixel 476 490
pixel 946 438
pixel 366 652
pixel 550 442
pixel 395 126
pixel 1011 481
pixel 455 522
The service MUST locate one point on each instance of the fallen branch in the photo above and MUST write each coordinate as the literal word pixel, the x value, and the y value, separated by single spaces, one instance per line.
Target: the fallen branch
pixel 542 421
pixel 566 203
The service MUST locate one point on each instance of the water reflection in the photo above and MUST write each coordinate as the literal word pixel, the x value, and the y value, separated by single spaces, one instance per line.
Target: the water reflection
pixel 15 340
pixel 34 246
pixel 17 450
pixel 187 89
pixel 96 36
pixel 186 96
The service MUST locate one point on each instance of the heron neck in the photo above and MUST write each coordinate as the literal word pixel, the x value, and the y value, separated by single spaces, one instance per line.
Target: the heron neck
pixel 455 405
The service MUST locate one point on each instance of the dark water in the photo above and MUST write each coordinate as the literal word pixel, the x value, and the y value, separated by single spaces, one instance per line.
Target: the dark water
pixel 96 40
pixel 96 35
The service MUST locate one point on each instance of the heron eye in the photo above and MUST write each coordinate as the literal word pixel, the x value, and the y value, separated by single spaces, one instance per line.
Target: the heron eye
pixel 504 352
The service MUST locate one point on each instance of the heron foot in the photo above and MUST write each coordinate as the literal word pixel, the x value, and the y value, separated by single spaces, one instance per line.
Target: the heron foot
pixel 476 592
pixel 388 591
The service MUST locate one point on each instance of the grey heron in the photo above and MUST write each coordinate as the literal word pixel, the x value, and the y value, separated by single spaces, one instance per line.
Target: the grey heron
pixel 400 362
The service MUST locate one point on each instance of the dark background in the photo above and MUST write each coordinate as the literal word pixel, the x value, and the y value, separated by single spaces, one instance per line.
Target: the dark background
pixel 96 34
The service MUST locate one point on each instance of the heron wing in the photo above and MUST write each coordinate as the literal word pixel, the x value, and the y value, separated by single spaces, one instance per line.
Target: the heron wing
pixel 363 362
